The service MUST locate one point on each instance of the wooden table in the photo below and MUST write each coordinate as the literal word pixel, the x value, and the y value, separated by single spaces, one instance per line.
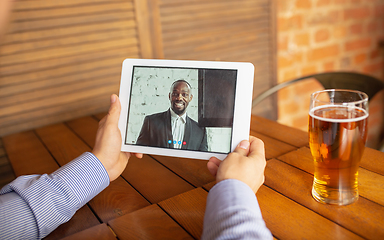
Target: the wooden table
pixel 164 198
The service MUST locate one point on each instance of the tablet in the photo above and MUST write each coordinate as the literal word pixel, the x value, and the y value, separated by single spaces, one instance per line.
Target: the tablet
pixel 187 109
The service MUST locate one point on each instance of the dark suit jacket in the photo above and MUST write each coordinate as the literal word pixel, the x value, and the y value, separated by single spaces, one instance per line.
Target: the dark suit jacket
pixel 156 131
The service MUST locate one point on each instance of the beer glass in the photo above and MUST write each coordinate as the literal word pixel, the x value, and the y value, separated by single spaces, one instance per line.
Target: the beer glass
pixel 337 134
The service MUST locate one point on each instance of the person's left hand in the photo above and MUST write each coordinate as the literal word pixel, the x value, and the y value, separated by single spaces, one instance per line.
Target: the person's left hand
pixel 246 163
pixel 108 142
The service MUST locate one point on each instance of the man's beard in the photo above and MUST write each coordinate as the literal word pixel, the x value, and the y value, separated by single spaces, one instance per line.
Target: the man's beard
pixel 179 111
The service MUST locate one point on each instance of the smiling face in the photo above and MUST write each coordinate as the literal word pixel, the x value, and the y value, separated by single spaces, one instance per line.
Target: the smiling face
pixel 180 96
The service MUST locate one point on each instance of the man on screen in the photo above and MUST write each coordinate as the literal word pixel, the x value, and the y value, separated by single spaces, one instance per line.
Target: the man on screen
pixel 173 128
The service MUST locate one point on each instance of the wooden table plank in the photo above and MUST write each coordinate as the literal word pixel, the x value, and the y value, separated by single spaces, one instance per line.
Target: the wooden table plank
pixel 86 128
pixel 273 147
pixel 100 116
pixel 188 210
pixel 192 170
pixel 116 200
pixel 301 158
pixel 83 219
pixel 62 142
pixel 147 223
pixel 28 155
pixel 373 160
pixel 101 231
pixel 371 185
pixel 287 219
pixel 65 145
pixel 6 172
pixel 155 182
pixel 293 136
pixel 2 151
pixel 364 217
pixel 210 185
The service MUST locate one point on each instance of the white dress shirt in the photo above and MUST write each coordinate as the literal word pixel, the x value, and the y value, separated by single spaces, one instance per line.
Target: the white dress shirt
pixel 33 206
pixel 232 212
pixel 178 128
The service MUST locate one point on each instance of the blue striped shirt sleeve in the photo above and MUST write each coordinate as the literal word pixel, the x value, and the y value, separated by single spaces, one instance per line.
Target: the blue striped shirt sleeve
pixel 49 200
pixel 232 212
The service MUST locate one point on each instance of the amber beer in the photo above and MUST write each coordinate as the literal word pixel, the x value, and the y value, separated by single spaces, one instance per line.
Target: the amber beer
pixel 337 136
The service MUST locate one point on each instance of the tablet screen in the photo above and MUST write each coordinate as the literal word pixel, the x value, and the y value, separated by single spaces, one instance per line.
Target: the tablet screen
pixel 181 108
pixel 189 109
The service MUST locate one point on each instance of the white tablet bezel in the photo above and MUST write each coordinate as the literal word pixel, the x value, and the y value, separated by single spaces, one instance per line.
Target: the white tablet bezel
pixel 242 105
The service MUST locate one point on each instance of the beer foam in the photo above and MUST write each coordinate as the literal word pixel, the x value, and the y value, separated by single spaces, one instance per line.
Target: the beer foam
pixel 338 120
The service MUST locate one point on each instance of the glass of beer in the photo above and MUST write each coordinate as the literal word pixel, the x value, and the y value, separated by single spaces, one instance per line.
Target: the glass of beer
pixel 337 135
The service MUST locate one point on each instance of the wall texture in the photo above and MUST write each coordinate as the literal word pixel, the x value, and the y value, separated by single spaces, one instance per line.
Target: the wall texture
pixel 151 87
pixel 327 35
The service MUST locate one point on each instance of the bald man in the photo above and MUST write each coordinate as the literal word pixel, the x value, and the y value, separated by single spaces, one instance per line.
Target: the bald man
pixel 173 128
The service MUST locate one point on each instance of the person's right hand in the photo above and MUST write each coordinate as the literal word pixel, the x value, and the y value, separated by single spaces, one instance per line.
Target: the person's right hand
pixel 108 142
pixel 246 163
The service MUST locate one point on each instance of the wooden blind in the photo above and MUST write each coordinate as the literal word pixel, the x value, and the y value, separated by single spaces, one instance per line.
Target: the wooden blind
pixel 231 30
pixel 61 60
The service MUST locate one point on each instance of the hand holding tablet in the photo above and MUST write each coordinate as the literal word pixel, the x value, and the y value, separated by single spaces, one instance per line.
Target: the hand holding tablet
pixel 191 109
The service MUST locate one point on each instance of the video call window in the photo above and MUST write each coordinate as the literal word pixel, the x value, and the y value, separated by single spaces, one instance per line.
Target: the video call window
pixel 211 107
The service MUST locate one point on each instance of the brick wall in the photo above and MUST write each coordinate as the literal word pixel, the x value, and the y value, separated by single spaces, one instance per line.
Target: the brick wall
pixel 327 35
pixel 150 91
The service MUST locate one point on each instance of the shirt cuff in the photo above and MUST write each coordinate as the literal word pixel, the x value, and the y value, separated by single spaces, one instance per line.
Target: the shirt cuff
pixel 232 192
pixel 232 212
pixel 85 176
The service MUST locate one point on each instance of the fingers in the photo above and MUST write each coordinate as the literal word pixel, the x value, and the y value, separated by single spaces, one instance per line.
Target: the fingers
pixel 127 154
pixel 213 165
pixel 253 148
pixel 243 148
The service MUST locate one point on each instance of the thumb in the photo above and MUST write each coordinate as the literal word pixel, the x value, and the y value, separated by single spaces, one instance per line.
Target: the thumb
pixel 243 148
pixel 114 109
pixel 257 148
pixel 213 165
